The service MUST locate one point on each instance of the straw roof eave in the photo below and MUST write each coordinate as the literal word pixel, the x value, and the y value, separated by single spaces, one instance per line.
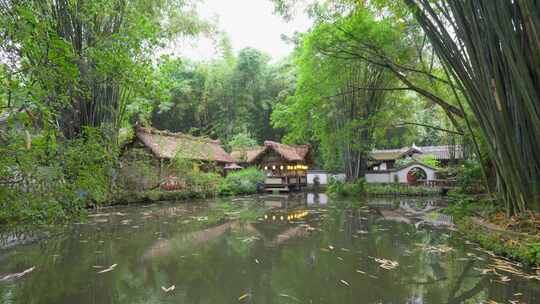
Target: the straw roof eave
pixel 167 145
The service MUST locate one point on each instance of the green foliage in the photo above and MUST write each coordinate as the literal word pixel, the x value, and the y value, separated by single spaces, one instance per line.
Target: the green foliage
pixel 52 179
pixel 400 189
pixel 188 170
pixel 244 181
pixel 82 63
pixel 526 250
pixel 462 206
pixel 344 189
pixel 242 140
pixel 427 159
pixel 223 97
pixel 503 108
pixel 430 160
pixel 469 178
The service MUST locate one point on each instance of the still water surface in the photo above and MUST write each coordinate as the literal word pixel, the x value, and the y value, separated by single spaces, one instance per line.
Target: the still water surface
pixel 266 249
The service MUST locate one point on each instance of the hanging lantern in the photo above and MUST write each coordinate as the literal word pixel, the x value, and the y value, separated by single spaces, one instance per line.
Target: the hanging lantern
pixel 280 167
pixel 265 167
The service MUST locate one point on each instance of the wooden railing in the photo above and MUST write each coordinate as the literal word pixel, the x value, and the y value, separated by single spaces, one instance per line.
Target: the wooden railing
pixel 436 183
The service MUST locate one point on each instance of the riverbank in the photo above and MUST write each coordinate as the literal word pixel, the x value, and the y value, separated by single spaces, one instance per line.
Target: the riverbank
pixel 480 221
pixel 521 247
pixel 360 187
pixel 65 201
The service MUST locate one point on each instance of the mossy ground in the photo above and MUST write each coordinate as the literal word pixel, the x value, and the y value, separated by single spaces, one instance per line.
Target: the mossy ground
pixel 521 247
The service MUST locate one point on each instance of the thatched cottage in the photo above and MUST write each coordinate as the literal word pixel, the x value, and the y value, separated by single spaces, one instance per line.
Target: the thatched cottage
pixel 148 156
pixel 285 165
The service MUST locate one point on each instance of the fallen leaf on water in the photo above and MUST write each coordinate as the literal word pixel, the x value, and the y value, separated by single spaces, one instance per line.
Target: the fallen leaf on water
pixel 257 261
pixel 340 258
pixel 288 296
pixel 244 296
pixel 168 289
pixel 331 247
pixel 17 275
pixel 360 271
pixel 386 264
pixel 109 269
pixel 344 283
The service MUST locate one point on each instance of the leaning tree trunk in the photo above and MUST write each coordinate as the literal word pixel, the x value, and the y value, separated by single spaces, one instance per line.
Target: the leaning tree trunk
pixel 492 47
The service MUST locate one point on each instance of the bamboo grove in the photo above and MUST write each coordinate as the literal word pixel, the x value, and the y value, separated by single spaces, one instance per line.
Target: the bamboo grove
pixel 492 50
pixel 476 59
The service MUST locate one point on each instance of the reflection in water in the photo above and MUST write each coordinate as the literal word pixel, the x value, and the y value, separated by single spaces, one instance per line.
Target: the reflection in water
pixel 270 249
pixel 316 199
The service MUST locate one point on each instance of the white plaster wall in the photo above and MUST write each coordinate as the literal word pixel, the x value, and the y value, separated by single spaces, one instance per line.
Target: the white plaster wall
pixel 389 177
pixel 402 174
pixel 379 177
pixel 323 177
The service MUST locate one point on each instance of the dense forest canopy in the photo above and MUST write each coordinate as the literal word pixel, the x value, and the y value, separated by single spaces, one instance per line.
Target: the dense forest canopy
pixel 223 97
pixel 78 75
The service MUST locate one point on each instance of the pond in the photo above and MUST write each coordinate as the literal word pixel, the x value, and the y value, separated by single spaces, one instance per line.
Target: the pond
pixel 305 248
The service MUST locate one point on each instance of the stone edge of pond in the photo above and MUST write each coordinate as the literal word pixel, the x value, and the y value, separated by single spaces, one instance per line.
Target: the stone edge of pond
pixel 518 246
pixel 152 196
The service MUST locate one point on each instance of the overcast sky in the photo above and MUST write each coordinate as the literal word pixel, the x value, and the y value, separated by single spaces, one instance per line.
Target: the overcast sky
pixel 247 23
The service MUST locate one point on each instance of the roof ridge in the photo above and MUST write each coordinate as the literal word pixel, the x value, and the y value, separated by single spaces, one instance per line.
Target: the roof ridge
pixel 271 142
pixel 151 130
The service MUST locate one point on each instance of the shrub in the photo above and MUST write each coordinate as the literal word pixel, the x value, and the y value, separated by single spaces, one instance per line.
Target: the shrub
pixel 463 205
pixel 341 188
pixel 49 179
pixel 206 183
pixel 400 189
pixel 469 178
pixel 242 182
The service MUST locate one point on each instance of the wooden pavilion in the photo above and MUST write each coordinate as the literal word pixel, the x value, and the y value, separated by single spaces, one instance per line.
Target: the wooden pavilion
pixel 284 165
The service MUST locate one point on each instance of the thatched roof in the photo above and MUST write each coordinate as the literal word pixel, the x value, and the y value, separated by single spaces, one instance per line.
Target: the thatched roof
pixel 166 145
pixel 292 153
pixel 246 155
pixel 439 152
